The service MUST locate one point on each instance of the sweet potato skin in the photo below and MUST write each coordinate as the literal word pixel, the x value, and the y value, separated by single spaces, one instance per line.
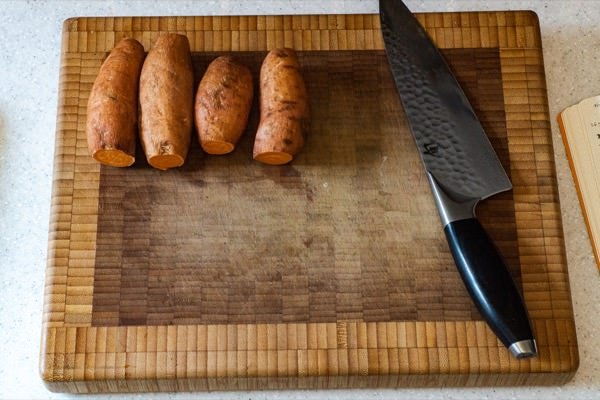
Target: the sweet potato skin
pixel 284 111
pixel 167 101
pixel 223 103
pixel 112 109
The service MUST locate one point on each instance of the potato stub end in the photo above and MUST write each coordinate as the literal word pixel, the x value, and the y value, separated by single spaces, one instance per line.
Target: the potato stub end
pixel 217 147
pixel 113 157
pixel 222 105
pixel 112 106
pixel 166 101
pixel 283 109
pixel 274 157
pixel 166 161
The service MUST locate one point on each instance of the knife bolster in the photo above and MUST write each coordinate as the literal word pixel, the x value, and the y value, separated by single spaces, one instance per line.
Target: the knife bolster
pixel 449 208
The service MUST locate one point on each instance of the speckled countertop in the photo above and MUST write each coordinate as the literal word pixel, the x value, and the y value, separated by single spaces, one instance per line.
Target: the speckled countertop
pixel 29 62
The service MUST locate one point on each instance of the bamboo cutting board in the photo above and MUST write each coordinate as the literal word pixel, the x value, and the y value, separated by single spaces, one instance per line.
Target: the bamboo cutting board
pixel 330 272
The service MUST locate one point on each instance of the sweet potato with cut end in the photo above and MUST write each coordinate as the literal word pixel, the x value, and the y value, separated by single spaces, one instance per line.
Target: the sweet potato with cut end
pixel 167 101
pixel 112 109
pixel 284 110
pixel 223 103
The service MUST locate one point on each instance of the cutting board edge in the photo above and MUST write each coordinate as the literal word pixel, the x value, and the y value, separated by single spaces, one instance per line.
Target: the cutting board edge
pixel 308 382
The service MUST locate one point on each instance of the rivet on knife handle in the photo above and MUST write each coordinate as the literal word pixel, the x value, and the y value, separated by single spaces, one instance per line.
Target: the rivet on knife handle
pixel 462 168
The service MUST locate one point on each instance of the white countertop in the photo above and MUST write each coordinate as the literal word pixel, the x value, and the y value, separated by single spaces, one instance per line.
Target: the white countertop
pixel 29 61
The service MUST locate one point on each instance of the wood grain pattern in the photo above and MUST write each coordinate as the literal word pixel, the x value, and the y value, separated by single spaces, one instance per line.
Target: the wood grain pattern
pixel 344 299
pixel 330 237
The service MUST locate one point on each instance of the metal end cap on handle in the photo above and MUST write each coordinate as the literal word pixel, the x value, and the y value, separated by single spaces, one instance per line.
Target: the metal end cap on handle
pixel 524 349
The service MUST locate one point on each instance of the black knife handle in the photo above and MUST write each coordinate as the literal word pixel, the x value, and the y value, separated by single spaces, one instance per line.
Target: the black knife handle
pixel 490 285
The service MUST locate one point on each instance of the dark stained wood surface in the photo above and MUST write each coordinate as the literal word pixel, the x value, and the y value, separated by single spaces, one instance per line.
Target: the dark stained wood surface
pixel 348 231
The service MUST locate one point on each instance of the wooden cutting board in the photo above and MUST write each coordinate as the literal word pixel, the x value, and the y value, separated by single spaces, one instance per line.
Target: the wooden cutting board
pixel 329 272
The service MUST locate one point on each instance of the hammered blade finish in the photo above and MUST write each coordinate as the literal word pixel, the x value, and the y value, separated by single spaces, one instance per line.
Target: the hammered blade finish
pixel 452 143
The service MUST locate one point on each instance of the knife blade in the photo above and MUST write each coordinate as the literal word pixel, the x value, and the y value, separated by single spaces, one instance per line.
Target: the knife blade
pixel 462 168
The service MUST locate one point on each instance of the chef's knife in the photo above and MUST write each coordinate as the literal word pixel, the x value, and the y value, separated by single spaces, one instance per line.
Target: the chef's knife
pixel 462 169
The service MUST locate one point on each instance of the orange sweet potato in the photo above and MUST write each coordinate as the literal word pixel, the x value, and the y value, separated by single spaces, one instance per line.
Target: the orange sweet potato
pixel 284 113
pixel 167 101
pixel 223 103
pixel 112 109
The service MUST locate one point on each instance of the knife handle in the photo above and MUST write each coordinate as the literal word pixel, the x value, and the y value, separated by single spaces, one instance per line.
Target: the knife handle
pixel 490 285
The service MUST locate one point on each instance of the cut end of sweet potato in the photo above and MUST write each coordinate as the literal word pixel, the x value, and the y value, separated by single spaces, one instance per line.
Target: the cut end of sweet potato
pixel 166 161
pixel 113 157
pixel 274 157
pixel 217 147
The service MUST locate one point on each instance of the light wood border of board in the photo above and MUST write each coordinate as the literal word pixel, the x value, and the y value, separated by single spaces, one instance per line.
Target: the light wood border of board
pixel 76 357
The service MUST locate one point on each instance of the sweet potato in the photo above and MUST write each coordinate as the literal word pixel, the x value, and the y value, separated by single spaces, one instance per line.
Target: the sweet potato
pixel 284 111
pixel 223 103
pixel 167 101
pixel 112 109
